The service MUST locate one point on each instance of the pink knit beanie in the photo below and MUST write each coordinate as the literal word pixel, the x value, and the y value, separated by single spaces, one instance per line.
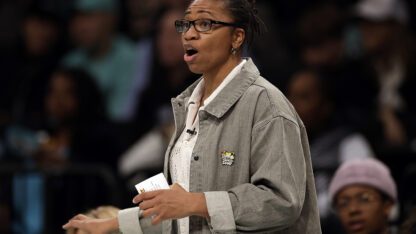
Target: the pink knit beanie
pixel 366 172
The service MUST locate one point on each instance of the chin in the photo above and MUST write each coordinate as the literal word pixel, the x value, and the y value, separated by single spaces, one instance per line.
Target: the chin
pixel 194 69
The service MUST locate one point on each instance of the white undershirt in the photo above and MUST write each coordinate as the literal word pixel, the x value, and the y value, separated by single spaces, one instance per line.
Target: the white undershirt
pixel 180 160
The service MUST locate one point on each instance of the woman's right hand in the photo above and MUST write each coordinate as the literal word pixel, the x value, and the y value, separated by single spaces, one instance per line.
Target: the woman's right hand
pixel 91 225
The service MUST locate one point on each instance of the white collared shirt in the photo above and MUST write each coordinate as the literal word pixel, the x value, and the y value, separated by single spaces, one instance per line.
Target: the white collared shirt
pixel 180 160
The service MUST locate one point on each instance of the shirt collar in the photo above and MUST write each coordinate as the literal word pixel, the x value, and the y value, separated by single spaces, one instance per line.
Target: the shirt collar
pixel 228 96
pixel 196 95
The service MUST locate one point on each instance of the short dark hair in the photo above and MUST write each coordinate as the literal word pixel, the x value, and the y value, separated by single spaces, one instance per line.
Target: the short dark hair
pixel 245 15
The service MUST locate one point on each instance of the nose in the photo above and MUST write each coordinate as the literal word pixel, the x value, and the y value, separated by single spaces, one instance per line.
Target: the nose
pixel 191 33
pixel 354 209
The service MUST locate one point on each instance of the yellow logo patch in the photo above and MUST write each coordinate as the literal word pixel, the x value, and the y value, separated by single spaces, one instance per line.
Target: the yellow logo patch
pixel 227 158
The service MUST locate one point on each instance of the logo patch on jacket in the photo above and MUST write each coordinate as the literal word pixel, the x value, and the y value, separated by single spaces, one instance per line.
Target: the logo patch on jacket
pixel 227 158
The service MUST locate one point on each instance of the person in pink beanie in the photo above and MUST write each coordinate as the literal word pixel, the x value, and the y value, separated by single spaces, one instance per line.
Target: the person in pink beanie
pixel 363 194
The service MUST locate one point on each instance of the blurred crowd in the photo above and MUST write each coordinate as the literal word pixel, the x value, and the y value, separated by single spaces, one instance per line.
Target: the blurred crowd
pixel 89 82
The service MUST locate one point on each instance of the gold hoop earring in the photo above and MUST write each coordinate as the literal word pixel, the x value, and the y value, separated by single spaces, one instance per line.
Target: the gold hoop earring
pixel 233 51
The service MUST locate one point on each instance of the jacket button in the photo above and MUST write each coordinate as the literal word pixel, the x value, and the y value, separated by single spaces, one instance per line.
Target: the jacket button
pixel 196 157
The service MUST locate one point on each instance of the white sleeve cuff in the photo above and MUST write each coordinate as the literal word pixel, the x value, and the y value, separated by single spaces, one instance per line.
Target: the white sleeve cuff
pixel 221 216
pixel 128 221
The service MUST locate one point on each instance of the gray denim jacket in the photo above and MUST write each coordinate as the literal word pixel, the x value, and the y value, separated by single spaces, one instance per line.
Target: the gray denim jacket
pixel 251 160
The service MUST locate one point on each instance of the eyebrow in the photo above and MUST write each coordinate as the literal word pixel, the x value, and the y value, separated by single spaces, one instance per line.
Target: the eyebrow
pixel 199 11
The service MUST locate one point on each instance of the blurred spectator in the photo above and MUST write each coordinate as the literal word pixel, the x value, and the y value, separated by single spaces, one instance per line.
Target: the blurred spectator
pixel 26 71
pixel 321 36
pixel 141 20
pixel 100 212
pixel 364 194
pixel 76 122
pixel 169 75
pixel 109 57
pixel 74 129
pixel 388 47
pixel 332 141
pixel 323 47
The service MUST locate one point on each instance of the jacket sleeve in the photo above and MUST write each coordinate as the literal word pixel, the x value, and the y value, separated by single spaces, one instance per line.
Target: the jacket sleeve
pixel 274 198
pixel 130 222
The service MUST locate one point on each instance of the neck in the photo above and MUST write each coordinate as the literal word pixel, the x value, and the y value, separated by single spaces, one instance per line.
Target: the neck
pixel 214 78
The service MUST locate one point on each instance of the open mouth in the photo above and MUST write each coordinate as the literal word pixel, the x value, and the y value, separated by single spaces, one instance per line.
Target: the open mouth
pixel 191 51
pixel 190 54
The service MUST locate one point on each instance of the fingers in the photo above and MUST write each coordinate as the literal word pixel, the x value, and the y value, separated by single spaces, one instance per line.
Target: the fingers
pixel 80 217
pixel 141 197
pixel 157 219
pixel 150 212
pixel 146 196
pixel 75 222
pixel 144 205
pixel 155 214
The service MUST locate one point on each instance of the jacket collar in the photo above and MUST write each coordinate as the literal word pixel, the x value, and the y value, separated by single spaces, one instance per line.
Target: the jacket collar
pixel 229 95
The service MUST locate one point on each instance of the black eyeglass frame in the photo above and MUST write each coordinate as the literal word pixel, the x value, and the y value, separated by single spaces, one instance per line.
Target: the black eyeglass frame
pixel 212 22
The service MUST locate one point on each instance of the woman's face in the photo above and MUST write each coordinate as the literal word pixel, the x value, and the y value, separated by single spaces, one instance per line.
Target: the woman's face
pixel 213 47
pixel 362 209
pixel 61 102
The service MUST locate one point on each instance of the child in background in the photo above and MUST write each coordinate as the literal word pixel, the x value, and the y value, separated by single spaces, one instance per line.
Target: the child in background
pixel 363 194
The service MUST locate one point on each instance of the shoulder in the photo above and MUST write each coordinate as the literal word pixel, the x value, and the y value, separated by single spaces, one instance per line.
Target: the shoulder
pixel 271 103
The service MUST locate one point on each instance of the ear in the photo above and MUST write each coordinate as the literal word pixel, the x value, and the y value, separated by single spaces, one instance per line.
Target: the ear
pixel 238 38
pixel 387 207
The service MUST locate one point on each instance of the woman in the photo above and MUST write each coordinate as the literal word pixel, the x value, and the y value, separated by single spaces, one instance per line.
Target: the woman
pixel 239 147
pixel 76 126
pixel 73 131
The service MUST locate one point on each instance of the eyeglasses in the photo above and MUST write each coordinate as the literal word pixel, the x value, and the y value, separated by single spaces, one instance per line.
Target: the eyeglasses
pixel 200 25
pixel 362 199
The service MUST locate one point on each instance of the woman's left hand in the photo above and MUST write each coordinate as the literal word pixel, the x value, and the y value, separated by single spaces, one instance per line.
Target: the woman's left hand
pixel 171 203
